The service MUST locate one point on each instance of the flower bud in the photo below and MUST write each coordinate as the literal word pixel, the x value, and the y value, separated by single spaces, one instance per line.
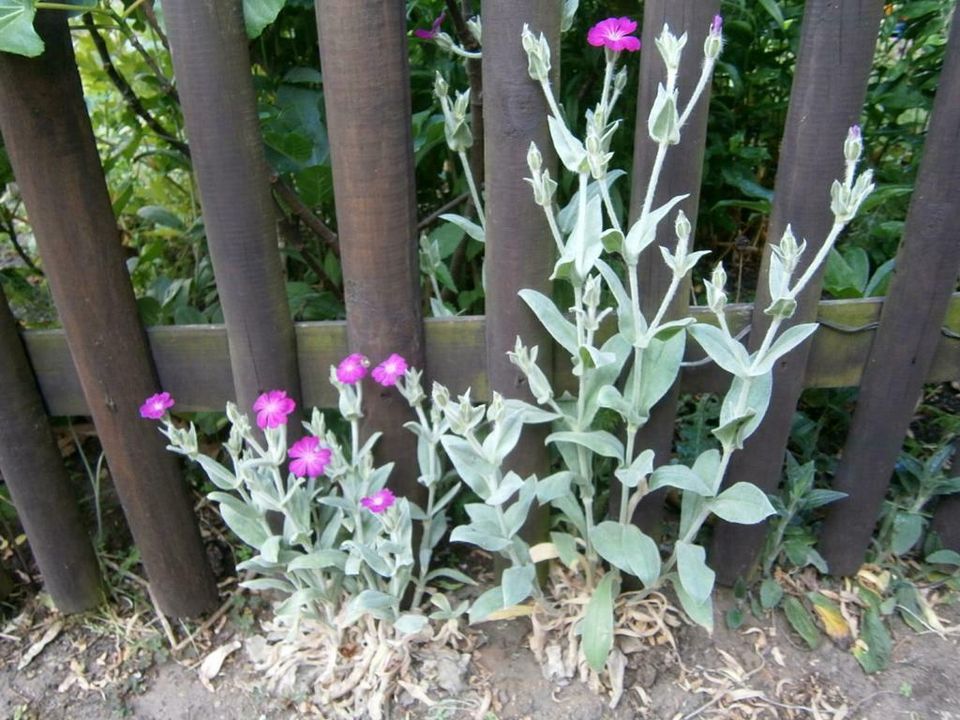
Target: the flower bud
pixel 664 121
pixel 620 80
pixel 716 296
pixel 853 145
pixel 534 158
pixel 440 87
pixel 714 42
pixel 496 408
pixel 538 54
pixel 476 29
pixel 682 227
pixel 671 48
pixel 440 395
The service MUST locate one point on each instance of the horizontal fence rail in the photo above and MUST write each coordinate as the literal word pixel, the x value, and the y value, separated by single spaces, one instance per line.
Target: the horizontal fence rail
pixel 194 364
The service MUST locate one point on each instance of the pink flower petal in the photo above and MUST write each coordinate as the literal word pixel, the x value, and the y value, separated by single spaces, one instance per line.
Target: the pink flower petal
pixel 272 408
pixel 390 370
pixel 379 502
pixel 352 369
pixel 156 406
pixel 310 457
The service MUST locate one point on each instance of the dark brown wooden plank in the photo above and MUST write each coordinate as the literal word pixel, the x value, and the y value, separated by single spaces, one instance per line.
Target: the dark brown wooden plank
pixel 519 250
pixel 903 349
pixel 836 52
pixel 33 471
pixel 682 173
pixel 52 149
pixel 193 360
pixel 208 44
pixel 366 81
pixel 946 521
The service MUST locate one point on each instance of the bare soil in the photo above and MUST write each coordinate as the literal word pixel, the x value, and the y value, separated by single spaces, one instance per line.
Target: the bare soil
pixel 97 669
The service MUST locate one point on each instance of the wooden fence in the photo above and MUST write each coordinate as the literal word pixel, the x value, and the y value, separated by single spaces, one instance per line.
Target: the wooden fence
pixel 103 364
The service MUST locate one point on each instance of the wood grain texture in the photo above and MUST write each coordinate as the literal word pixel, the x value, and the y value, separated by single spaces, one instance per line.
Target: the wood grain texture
pixel 905 343
pixel 208 44
pixel 519 250
pixel 366 81
pixel 34 473
pixel 53 153
pixel 837 43
pixel 682 174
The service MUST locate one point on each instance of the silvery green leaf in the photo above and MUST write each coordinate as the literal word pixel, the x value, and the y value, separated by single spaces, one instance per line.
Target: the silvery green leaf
pixel 609 397
pixel 568 215
pixel 261 584
pixel 374 558
pixel 439 309
pixel 591 358
pixel 700 612
pixel 488 603
pixel 472 469
pixel 692 507
pixel 583 244
pixel 258 14
pixel 691 260
pixel 569 149
pixel 566 546
pixel 681 477
pixel 470 534
pixel 468 226
pixel 553 486
pixel 742 503
pixel 778 278
pixel 612 241
pixel 791 338
pixel 660 367
pixel 529 414
pixel 234 502
pixel 668 330
pixel 944 557
pixel 604 377
pixel 644 231
pixel 416 512
pixel 553 321
pixel 569 13
pixel 641 466
pixel 517 584
pixel 624 304
pixel 247 527
pixel 367 446
pixel 483 514
pixel 337 502
pixel 503 437
pixel 627 548
pixel 516 514
pixel 451 574
pixel 298 604
pixel 697 579
pixel 597 624
pixel 722 349
pixel 378 604
pixel 751 408
pixel 706 466
pixel 572 512
pixel 271 548
pixel 510 483
pixel 599 441
pixel 410 624
pixel 438 526
pixel 218 474
pixel 319 560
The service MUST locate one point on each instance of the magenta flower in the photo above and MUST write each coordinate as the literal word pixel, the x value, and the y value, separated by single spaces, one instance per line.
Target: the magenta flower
pixel 310 457
pixel 156 406
pixel 352 369
pixel 434 29
pixel 614 33
pixel 272 409
pixel 390 370
pixel 379 502
pixel 716 27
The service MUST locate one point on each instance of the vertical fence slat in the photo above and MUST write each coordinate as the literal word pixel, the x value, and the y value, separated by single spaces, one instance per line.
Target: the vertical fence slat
pixel 682 173
pixel 519 249
pixel 909 332
pixel 366 81
pixel 833 66
pixel 212 64
pixel 33 470
pixel 53 152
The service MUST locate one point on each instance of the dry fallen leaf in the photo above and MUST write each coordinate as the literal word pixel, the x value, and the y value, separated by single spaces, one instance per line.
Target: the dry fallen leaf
pixel 48 637
pixel 210 667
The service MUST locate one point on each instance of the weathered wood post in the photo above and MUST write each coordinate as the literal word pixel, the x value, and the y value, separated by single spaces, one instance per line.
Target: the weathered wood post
pixel 33 470
pixel 834 61
pixel 519 249
pixel 366 82
pixel 208 43
pixel 907 338
pixel 53 152
pixel 682 174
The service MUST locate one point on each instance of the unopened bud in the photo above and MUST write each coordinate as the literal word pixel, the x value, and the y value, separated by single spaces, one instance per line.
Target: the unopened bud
pixel 714 42
pixel 538 54
pixel 671 48
pixel 440 87
pixel 534 158
pixel 682 227
pixel 853 145
pixel 440 395
pixel 476 29
pixel 620 80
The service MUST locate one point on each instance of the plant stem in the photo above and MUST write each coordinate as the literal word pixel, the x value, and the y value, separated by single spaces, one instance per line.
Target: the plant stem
pixel 705 75
pixel 465 161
